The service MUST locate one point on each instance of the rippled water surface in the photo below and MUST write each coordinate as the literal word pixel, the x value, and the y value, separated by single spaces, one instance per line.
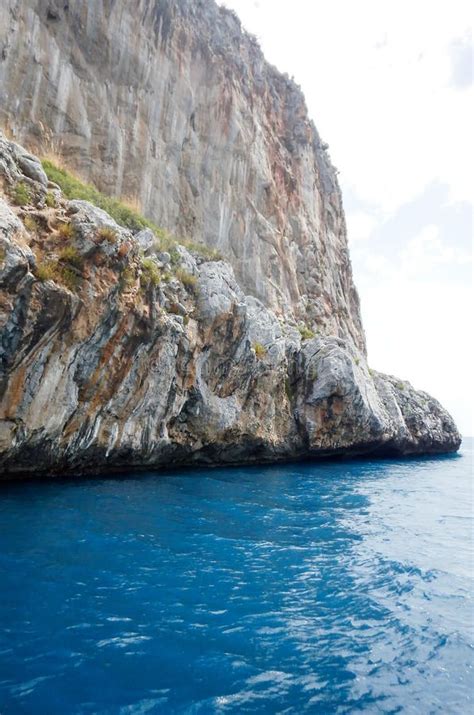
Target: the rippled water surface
pixel 334 588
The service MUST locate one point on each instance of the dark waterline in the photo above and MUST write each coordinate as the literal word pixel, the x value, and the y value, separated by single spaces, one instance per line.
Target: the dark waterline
pixel 333 587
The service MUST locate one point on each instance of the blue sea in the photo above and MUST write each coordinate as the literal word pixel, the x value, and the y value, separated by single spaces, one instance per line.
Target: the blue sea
pixel 335 587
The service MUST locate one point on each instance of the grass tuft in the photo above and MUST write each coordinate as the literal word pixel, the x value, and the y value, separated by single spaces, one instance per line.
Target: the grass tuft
pixel 211 254
pixel 50 200
pixel 48 270
pixel 71 255
pixel 30 224
pixel 66 231
pixel 45 270
pixel 68 278
pixel 107 234
pixel 21 194
pixel 127 278
pixel 150 273
pixel 187 279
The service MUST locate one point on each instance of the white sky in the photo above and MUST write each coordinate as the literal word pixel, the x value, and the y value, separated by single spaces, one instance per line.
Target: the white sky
pixel 389 86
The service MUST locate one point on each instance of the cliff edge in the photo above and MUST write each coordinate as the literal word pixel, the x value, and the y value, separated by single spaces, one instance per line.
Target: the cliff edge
pixel 117 353
pixel 171 103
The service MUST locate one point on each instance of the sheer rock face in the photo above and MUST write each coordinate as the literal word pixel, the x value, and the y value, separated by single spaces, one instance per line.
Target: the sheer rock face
pixel 117 372
pixel 170 102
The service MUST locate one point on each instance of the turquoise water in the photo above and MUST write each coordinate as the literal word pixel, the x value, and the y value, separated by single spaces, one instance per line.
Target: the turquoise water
pixel 340 587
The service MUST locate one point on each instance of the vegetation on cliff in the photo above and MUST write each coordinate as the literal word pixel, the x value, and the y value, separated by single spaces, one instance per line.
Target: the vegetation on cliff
pixel 122 210
pixel 73 187
pixel 114 352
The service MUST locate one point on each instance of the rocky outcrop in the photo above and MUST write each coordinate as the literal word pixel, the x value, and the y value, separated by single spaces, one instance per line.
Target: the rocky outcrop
pixel 171 103
pixel 111 359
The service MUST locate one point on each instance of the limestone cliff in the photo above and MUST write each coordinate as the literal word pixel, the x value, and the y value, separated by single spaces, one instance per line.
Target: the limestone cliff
pixel 117 354
pixel 172 103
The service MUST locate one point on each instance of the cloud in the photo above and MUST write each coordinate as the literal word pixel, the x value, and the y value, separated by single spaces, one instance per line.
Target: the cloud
pixel 462 59
pixel 427 251
pixel 415 282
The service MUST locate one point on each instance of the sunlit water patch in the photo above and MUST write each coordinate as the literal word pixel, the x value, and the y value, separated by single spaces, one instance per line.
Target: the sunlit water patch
pixel 326 588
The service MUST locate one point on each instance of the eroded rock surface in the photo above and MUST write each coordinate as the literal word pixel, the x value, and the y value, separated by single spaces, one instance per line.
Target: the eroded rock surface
pixel 172 103
pixel 111 359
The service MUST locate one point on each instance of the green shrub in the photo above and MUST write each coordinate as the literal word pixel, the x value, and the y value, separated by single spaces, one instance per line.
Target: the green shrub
pixel 305 332
pixel 213 254
pixel 174 256
pixel 21 194
pixel 105 233
pixel 260 350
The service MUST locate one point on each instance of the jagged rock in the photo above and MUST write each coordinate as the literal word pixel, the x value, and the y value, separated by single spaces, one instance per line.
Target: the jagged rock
pixel 16 256
pixel 164 257
pixel 88 221
pixel 213 141
pixel 32 168
pixel 186 260
pixel 94 381
pixel 146 240
pixel 105 362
